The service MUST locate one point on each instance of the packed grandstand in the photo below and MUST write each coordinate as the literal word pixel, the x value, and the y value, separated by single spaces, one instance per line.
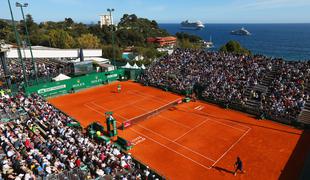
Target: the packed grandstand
pixel 232 78
pixel 40 144
pixel 46 67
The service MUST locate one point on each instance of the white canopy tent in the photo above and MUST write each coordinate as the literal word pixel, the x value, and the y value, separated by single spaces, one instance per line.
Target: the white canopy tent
pixel 135 66
pixel 61 77
pixel 127 66
pixel 143 67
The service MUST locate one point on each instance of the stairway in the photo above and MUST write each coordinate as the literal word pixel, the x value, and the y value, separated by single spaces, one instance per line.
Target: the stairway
pixel 254 104
pixel 304 116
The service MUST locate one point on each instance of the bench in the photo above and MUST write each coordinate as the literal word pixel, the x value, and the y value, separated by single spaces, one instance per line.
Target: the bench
pixel 123 143
pixel 105 139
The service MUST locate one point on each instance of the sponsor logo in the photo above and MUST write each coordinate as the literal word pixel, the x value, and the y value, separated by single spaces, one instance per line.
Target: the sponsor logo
pixel 78 85
pixel 111 76
pixel 45 90
pixel 137 140
pixel 96 81
pixel 127 124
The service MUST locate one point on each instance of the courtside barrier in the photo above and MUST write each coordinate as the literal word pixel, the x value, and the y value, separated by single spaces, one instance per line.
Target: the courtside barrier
pixel 256 112
pixel 73 84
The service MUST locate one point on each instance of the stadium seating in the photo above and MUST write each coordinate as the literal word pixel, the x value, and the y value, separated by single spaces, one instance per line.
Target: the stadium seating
pixel 46 69
pixel 271 88
pixel 41 145
pixel 304 116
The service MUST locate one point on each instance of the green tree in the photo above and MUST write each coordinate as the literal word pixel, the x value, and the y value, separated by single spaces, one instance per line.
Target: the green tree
pixel 134 31
pixel 149 53
pixel 107 52
pixel 76 30
pixel 189 37
pixel 4 26
pixel 88 41
pixel 69 22
pixel 184 44
pixel 61 39
pixel 40 38
pixel 104 33
pixel 188 41
pixel 129 37
pixel 235 47
pixel 31 25
pixel 131 31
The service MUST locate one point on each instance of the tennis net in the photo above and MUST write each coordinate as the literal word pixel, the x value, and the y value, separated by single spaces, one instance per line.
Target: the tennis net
pixel 149 114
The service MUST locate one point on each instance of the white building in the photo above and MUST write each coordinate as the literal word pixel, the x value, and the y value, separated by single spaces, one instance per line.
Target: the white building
pixel 106 20
pixel 47 52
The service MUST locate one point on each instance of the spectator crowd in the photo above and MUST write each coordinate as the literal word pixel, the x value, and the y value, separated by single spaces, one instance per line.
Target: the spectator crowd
pixel 46 68
pixel 41 144
pixel 227 77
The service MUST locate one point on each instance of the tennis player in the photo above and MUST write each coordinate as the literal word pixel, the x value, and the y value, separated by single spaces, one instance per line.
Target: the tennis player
pixel 239 166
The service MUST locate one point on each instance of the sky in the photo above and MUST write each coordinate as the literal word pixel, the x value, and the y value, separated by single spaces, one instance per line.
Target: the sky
pixel 167 11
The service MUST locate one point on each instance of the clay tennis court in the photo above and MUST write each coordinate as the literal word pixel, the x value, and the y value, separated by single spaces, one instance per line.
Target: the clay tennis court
pixel 192 140
pixel 91 105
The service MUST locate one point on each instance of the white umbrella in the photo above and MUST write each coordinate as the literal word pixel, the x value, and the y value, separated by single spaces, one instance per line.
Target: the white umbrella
pixel 127 66
pixel 135 66
pixel 61 77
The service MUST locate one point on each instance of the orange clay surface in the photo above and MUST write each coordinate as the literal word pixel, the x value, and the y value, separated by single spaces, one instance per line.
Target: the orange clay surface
pixel 193 140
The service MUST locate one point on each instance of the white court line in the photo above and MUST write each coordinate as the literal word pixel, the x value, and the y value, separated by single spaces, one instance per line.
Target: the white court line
pixel 150 96
pixel 169 119
pixel 190 130
pixel 175 142
pixel 154 109
pixel 216 122
pixel 215 162
pixel 209 119
pixel 242 130
pixel 224 123
pixel 125 104
pixel 101 107
pixel 163 117
pixel 239 124
pixel 198 126
pixel 170 149
pixel 201 108
pixel 197 107
pixel 126 119
pixel 87 106
pixel 231 147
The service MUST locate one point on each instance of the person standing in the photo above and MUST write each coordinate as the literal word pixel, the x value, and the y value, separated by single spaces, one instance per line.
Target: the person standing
pixel 238 166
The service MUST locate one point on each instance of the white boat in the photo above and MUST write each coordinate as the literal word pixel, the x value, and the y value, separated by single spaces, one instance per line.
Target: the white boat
pixel 186 25
pixel 241 32
pixel 208 44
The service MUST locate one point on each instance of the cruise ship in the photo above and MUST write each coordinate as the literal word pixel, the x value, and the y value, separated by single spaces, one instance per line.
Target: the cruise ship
pixel 241 32
pixel 186 25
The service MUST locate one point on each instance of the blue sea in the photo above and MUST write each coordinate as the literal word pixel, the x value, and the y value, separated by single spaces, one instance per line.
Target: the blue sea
pixel 288 41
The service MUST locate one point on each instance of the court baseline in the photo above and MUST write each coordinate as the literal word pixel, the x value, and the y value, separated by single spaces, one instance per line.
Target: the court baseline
pixel 187 148
pixel 215 161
